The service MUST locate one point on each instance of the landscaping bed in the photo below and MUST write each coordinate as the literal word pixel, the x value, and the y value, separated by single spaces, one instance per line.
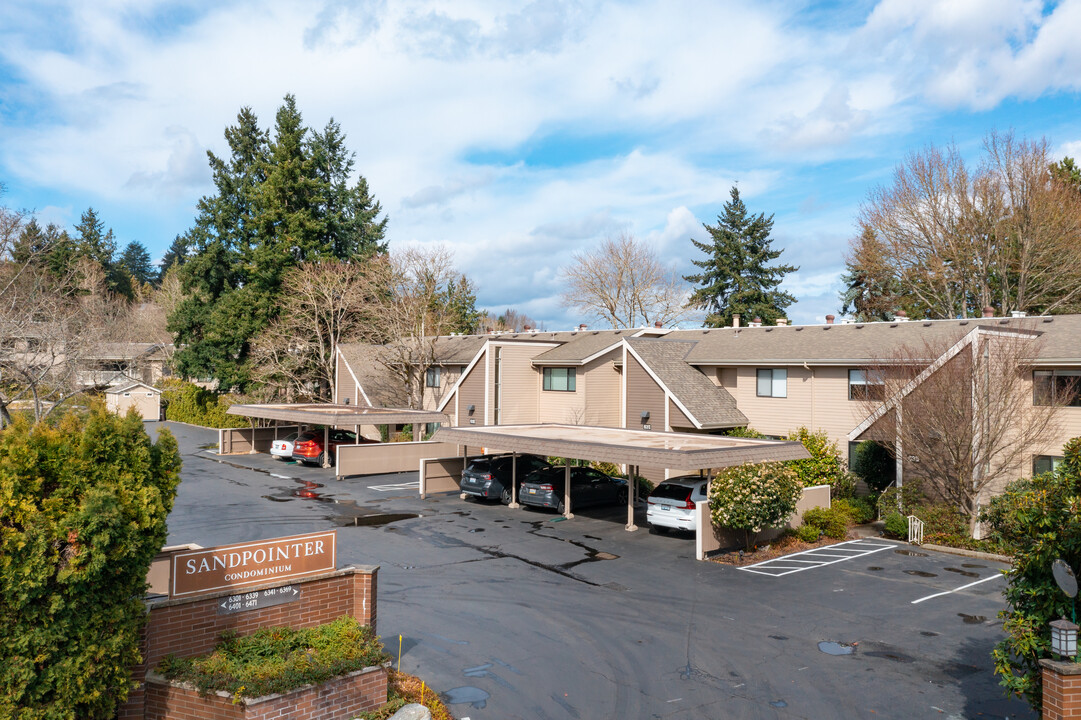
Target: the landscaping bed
pixel 784 545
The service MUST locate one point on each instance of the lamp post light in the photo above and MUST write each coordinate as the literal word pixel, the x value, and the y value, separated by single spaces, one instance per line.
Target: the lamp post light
pixel 1064 638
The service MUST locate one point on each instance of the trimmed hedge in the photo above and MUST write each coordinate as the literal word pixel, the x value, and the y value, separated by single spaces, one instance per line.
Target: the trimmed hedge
pixel 189 403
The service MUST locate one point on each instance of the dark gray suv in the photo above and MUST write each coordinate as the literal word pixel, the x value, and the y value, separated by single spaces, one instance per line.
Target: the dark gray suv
pixel 488 476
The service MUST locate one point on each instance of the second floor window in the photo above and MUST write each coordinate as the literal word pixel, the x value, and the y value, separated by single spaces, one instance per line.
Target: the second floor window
pixel 431 378
pixel 773 382
pixel 863 385
pixel 561 379
pixel 1045 464
pixel 1056 387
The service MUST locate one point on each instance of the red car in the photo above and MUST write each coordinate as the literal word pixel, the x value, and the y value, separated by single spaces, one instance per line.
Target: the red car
pixel 308 447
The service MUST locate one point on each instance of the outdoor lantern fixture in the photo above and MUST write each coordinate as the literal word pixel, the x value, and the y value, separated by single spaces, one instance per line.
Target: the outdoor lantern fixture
pixel 645 416
pixel 1064 638
pixel 470 409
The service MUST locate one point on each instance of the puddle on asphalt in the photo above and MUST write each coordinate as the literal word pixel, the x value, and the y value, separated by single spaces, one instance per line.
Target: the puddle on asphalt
pixel 920 573
pixel 911 553
pixel 476 530
pixel 972 565
pixel 874 568
pixel 374 520
pixel 972 619
pixel 591 537
pixel 928 633
pixel 211 446
pixel 779 704
pixel 467 694
pixel 779 637
pixel 959 571
pixel 886 655
pixel 836 648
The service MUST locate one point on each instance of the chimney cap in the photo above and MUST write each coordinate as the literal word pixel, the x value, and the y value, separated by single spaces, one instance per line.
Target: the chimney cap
pixel 830 319
pixel 988 311
pixel 658 324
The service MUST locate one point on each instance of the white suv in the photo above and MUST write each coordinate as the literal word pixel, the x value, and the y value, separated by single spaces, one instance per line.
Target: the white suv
pixel 672 503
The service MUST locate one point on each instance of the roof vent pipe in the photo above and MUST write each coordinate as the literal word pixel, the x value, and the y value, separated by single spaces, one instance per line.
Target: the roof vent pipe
pixel 757 322
pixel 583 327
pixel 1018 313
pixel 658 324
pixel 900 316
pixel 781 322
pixel 830 319
pixel 988 311
pixel 735 320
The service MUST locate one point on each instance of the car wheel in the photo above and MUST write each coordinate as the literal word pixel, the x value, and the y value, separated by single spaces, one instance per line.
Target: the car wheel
pixel 561 508
pixel 319 460
pixel 621 497
pixel 504 497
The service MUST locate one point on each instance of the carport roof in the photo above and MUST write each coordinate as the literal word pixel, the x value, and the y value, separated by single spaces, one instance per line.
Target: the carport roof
pixel 331 414
pixel 618 445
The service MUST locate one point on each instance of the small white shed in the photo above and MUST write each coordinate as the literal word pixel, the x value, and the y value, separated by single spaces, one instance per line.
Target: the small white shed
pixel 144 398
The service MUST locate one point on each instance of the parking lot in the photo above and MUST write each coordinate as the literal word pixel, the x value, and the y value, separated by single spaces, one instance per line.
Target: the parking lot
pixel 520 614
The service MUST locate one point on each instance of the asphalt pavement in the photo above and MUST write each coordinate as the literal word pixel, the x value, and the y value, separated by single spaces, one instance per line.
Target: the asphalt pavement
pixel 520 614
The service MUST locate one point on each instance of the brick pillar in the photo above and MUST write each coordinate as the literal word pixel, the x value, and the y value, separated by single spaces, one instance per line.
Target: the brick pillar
pixel 1061 689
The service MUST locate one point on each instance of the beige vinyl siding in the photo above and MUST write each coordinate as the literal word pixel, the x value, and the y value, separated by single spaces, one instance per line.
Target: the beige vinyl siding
pixel 677 420
pixel 346 387
pixel 555 406
pixel 471 392
pixel 726 377
pixel 448 377
pixel 521 384
pixel 1068 426
pixel 832 411
pixel 602 390
pixel 643 393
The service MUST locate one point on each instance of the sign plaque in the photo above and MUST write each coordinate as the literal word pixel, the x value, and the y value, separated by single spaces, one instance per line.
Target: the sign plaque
pixel 258 599
pixel 254 563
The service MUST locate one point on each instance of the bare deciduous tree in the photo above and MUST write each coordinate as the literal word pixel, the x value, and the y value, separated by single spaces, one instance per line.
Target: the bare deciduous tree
pixel 409 306
pixel 1005 234
pixel 623 282
pixel 962 416
pixel 323 307
pixel 510 320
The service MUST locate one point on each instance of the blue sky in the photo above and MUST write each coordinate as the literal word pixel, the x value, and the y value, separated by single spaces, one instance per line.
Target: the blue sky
pixel 518 133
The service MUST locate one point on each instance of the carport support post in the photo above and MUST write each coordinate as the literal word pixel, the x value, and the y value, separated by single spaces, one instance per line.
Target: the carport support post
pixel 417 432
pixel 251 421
pixel 514 481
pixel 631 527
pixel 567 490
pixel 326 446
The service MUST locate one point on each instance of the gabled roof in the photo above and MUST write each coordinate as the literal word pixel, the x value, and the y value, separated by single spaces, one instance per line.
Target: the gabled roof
pixel 128 387
pixel 706 404
pixel 857 343
pixel 124 350
pixel 581 347
pixel 377 384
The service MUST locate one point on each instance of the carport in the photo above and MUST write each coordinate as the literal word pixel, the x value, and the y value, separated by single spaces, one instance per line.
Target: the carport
pixel 337 415
pixel 621 446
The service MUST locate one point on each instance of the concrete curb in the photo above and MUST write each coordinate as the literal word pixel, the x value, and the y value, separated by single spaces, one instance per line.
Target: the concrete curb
pixel 976 554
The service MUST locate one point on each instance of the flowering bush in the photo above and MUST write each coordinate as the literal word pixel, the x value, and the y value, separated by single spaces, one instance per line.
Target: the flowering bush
pixel 825 466
pixel 753 496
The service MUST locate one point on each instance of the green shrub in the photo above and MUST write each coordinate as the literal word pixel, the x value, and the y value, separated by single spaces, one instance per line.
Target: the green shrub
pixel 833 522
pixel 897 525
pixel 910 496
pixel 83 509
pixel 941 518
pixel 753 496
pixel 824 467
pixel 843 486
pixel 607 468
pixel 279 659
pixel 808 533
pixel 858 510
pixel 189 403
pixel 874 464
pixel 744 432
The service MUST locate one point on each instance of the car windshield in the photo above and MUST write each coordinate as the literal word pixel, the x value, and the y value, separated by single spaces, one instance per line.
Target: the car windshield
pixel 671 492
pixel 303 437
pixel 479 465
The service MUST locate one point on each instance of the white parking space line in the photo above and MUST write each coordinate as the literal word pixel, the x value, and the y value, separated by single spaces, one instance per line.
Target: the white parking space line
pixel 817 558
pixel 963 587
pixel 415 485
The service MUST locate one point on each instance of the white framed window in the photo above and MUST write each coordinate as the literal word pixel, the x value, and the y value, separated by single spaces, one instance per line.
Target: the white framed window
pixel 1056 387
pixel 772 382
pixel 431 378
pixel 559 379
pixel 863 385
pixel 1045 463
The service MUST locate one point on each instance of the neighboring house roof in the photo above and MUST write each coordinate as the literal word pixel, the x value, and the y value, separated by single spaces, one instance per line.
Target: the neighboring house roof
pixel 124 350
pixel 709 405
pixel 128 387
pixel 377 383
pixel 581 347
pixel 863 342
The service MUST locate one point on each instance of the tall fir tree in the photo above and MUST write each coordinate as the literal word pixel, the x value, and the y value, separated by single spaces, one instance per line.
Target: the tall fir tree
pixel 177 254
pixel 280 200
pixel 135 261
pixel 93 241
pixel 353 226
pixel 736 276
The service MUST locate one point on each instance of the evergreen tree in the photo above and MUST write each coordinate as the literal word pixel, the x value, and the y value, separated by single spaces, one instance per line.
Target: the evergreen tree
pixel 353 227
pixel 135 261
pixel 177 254
pixel 460 298
pixel 872 291
pixel 93 241
pixel 736 277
